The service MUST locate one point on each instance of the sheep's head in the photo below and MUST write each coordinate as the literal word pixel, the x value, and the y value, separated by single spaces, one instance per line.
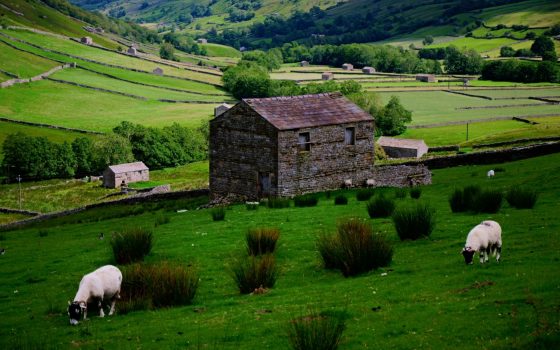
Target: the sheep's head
pixel 75 311
pixel 468 254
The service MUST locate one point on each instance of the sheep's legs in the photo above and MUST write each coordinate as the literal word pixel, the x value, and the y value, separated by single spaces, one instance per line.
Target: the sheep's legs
pixel 483 255
pixel 499 253
pixel 101 313
pixel 112 310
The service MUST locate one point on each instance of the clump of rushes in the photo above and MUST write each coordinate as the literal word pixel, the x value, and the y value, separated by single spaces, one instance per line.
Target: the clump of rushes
pixel 400 192
pixel 464 200
pixel 316 331
pixel 354 248
pixel 306 200
pixel 488 201
pixel 364 194
pixel 218 213
pixel 278 203
pixel 414 222
pixel 252 205
pixel 415 192
pixel 262 240
pixel 340 200
pixel 521 198
pixel 162 219
pixel 380 207
pixel 255 272
pixel 131 245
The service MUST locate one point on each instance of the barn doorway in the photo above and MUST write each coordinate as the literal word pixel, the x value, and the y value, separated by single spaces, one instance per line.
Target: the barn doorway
pixel 264 185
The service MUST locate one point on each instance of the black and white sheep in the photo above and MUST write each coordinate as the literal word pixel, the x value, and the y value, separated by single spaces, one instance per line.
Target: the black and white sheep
pixel 484 238
pixel 101 284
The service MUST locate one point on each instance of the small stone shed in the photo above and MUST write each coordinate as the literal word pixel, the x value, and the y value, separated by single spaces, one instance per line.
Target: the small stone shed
pixel 202 41
pixel 304 64
pixel 218 110
pixel 286 146
pixel 368 70
pixel 86 40
pixel 122 174
pixel 402 148
pixel 158 71
pixel 132 51
pixel 327 76
pixel 426 78
pixel 348 66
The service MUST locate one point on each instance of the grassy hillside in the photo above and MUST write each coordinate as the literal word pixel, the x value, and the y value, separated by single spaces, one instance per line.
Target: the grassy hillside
pixel 427 296
pixel 216 50
pixel 22 64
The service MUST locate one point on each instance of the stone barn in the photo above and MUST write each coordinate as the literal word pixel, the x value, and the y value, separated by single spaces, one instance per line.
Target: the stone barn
pixel 122 174
pixel 348 66
pixel 402 148
pixel 86 40
pixel 426 78
pixel 202 41
pixel 327 76
pixel 132 51
pixel 158 71
pixel 304 64
pixel 286 146
pixel 368 70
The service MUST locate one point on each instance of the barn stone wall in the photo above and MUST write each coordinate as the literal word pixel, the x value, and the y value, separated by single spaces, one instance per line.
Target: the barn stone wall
pixel 400 152
pixel 402 175
pixel 113 180
pixel 242 145
pixel 328 163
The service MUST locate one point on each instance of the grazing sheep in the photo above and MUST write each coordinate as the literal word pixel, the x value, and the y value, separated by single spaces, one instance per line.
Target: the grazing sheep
pixel 103 283
pixel 370 182
pixel 484 238
pixel 348 183
pixel 490 173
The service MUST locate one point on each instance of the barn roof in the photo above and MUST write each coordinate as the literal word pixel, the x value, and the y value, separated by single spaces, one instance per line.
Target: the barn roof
pixel 294 112
pixel 127 167
pixel 401 143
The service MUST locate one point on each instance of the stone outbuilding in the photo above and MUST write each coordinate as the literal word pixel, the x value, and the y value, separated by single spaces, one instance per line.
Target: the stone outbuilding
pixel 86 40
pixel 348 66
pixel 218 110
pixel 402 148
pixel 202 41
pixel 122 174
pixel 132 51
pixel 286 146
pixel 426 78
pixel 327 76
pixel 158 71
pixel 368 70
pixel 304 64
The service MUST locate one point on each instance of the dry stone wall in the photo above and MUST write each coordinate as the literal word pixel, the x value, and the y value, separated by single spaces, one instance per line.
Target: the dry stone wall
pixel 41 76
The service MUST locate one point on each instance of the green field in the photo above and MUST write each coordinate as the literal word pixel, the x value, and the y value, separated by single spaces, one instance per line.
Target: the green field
pixel 534 13
pixel 479 45
pixel 217 50
pixel 6 218
pixel 518 93
pixel 427 297
pixel 48 102
pixel 26 65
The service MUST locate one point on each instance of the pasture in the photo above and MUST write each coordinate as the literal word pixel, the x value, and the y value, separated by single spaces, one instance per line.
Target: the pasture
pixel 26 65
pixel 427 298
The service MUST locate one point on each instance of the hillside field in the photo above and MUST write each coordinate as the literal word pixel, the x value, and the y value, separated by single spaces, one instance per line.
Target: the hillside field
pixel 427 296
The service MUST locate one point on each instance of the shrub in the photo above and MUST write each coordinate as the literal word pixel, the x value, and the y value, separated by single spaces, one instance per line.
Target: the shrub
pixel 255 272
pixel 487 201
pixel 521 198
pixel 278 203
pixel 155 286
pixel 131 245
pixel 400 192
pixel 415 192
pixel 306 200
pixel 364 194
pixel 162 220
pixel 380 207
pixel 414 222
pixel 354 248
pixel 463 200
pixel 252 205
pixel 340 200
pixel 262 240
pixel 43 233
pixel 218 213
pixel 317 331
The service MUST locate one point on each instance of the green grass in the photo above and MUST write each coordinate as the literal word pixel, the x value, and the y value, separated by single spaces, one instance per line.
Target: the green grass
pixel 6 218
pixel 480 45
pixel 217 50
pixel 75 107
pixel 519 93
pixel 534 13
pixel 428 297
pixel 23 64
pixel 535 131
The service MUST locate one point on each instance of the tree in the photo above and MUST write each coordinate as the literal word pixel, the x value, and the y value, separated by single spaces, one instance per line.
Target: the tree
pixel 167 51
pixel 247 79
pixel 428 40
pixel 550 56
pixel 542 44
pixel 507 51
pixel 83 152
pixel 392 118
pixel 111 149
pixel 462 62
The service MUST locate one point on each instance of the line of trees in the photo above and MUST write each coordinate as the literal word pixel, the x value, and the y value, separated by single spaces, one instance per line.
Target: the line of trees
pixel 521 71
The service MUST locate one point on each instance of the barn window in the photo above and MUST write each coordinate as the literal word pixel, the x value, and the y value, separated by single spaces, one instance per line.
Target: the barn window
pixel 350 136
pixel 304 143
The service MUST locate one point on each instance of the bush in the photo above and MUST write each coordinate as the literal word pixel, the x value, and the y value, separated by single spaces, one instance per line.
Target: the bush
pixel 364 194
pixel 162 220
pixel 521 198
pixel 380 207
pixel 131 245
pixel 156 286
pixel 317 331
pixel 255 272
pixel 414 222
pixel 400 192
pixel 278 203
pixel 415 192
pixel 218 213
pixel 487 201
pixel 354 248
pixel 340 200
pixel 307 200
pixel 262 240
pixel 43 233
pixel 463 200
